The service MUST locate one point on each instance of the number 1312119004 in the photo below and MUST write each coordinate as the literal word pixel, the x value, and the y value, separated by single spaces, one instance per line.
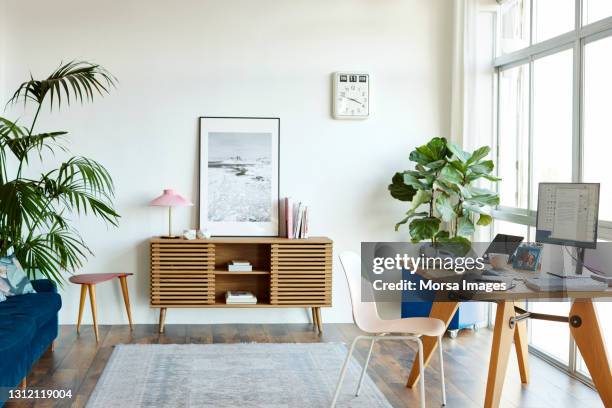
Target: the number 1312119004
pixel 38 393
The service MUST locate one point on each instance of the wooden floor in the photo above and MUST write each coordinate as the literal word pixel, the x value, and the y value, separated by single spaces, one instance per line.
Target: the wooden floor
pixel 78 362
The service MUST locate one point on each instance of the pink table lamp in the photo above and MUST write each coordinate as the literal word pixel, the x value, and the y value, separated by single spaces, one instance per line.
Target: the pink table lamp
pixel 170 198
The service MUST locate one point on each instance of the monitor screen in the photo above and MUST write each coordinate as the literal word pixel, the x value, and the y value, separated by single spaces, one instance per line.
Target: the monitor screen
pixel 568 214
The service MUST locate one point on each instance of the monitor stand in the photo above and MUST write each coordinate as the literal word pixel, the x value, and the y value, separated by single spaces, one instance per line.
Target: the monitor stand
pixel 578 272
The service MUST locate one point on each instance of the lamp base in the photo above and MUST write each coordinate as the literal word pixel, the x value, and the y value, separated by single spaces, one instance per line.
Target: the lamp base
pixel 169 237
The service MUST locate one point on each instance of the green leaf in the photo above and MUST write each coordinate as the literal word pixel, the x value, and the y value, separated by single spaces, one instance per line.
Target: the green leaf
pixel 419 157
pixel 442 235
pixel 399 190
pixel 435 165
pixel 437 147
pixel 465 227
pixel 491 178
pixel 445 208
pixel 458 152
pixel 484 220
pixel 410 214
pixel 485 199
pixel 451 175
pixel 424 228
pixel 478 154
pixel 420 198
pixel 484 167
pixel 76 78
pixel 459 246
pixel 461 167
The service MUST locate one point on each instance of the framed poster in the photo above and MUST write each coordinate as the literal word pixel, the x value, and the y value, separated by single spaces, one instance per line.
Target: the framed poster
pixel 239 171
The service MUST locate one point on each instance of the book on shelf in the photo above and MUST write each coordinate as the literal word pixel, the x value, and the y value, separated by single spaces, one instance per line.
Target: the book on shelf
pixel 240 297
pixel 239 268
pixel 296 219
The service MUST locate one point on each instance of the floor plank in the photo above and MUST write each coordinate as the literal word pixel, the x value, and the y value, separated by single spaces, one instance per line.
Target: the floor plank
pixel 78 362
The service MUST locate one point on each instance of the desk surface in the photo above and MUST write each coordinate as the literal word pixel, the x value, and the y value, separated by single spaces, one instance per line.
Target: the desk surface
pixel 518 292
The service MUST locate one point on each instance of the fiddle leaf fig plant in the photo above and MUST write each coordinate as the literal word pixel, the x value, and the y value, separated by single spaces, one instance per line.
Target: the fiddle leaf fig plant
pixel 445 204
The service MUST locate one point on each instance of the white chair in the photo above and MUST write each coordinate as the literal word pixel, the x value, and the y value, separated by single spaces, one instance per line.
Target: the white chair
pixel 367 319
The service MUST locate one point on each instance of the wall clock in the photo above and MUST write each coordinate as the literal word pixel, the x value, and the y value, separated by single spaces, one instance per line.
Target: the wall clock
pixel 351 95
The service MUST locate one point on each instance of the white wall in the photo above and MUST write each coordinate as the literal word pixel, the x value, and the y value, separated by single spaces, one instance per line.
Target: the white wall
pixel 180 60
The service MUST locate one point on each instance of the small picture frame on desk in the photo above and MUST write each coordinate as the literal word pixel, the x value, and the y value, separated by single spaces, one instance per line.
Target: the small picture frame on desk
pixel 528 257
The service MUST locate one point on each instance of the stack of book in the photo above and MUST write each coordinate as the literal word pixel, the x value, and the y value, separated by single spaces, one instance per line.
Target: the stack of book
pixel 235 297
pixel 296 219
pixel 240 266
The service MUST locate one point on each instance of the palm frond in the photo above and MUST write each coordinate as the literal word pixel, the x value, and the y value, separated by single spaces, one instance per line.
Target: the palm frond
pixel 80 79
pixel 82 185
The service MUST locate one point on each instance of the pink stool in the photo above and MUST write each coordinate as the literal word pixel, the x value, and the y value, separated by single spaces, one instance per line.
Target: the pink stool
pixel 88 281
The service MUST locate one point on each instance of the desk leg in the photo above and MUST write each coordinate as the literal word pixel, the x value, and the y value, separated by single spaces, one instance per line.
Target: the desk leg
pixel 585 329
pixel 440 310
pixel 522 349
pixel 500 353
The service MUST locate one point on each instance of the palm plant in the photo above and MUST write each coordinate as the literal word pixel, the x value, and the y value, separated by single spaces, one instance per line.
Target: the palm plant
pixel 34 212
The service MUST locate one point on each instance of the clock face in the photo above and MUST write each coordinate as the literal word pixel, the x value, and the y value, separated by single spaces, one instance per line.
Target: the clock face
pixel 351 95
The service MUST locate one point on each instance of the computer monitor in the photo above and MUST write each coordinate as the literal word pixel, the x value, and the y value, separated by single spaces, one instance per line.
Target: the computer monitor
pixel 568 214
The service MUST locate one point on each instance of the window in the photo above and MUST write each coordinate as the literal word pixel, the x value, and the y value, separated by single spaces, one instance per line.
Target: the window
pixel 551 18
pixel 597 143
pixel 554 83
pixel 552 121
pixel 595 10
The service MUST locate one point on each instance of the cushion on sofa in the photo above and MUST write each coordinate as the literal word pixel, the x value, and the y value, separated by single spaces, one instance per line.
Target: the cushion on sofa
pixel 13 279
pixel 41 307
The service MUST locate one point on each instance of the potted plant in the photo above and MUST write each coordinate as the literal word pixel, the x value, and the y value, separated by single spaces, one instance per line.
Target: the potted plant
pixel 34 212
pixel 445 201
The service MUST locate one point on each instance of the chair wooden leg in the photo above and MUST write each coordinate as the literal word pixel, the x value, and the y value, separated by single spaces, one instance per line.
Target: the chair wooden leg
pixel 126 299
pixel 23 384
pixel 81 307
pixel 585 329
pixel 51 348
pixel 314 316
pixel 319 320
pixel 162 319
pixel 500 353
pixel 92 299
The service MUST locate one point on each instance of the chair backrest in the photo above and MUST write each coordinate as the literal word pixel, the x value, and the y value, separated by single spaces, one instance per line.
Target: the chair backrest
pixel 364 313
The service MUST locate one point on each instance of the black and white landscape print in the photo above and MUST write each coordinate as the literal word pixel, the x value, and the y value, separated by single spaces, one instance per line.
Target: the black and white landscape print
pixel 239 177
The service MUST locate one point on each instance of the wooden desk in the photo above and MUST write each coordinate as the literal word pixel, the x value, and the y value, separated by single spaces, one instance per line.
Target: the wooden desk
pixel 583 324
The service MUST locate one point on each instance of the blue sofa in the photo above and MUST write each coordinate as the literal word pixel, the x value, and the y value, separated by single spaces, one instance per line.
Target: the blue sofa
pixel 28 326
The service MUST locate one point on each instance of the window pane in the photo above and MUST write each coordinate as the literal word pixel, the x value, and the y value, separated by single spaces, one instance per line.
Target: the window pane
pixel 597 125
pixel 552 121
pixel 594 10
pixel 513 136
pixel 514 25
pixel 552 18
pixel 550 337
pixel 510 228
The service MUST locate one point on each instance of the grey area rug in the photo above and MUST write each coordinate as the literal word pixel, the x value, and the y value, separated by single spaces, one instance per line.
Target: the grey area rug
pixel 231 375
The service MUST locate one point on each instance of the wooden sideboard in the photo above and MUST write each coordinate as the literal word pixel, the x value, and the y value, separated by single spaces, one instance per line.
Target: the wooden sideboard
pixel 286 273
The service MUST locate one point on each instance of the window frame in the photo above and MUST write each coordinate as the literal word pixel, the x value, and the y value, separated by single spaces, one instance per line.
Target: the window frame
pixel 575 40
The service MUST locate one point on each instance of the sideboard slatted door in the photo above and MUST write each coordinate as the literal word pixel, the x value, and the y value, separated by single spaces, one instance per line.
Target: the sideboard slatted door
pixel 301 274
pixel 182 274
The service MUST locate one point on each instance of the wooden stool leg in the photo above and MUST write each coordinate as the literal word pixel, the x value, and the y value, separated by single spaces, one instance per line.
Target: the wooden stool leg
pixel 92 299
pixel 319 320
pixel 162 319
pixel 81 307
pixel 126 299
pixel 585 329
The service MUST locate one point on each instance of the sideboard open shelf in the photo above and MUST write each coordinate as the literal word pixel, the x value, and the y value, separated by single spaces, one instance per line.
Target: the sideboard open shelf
pixel 286 273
